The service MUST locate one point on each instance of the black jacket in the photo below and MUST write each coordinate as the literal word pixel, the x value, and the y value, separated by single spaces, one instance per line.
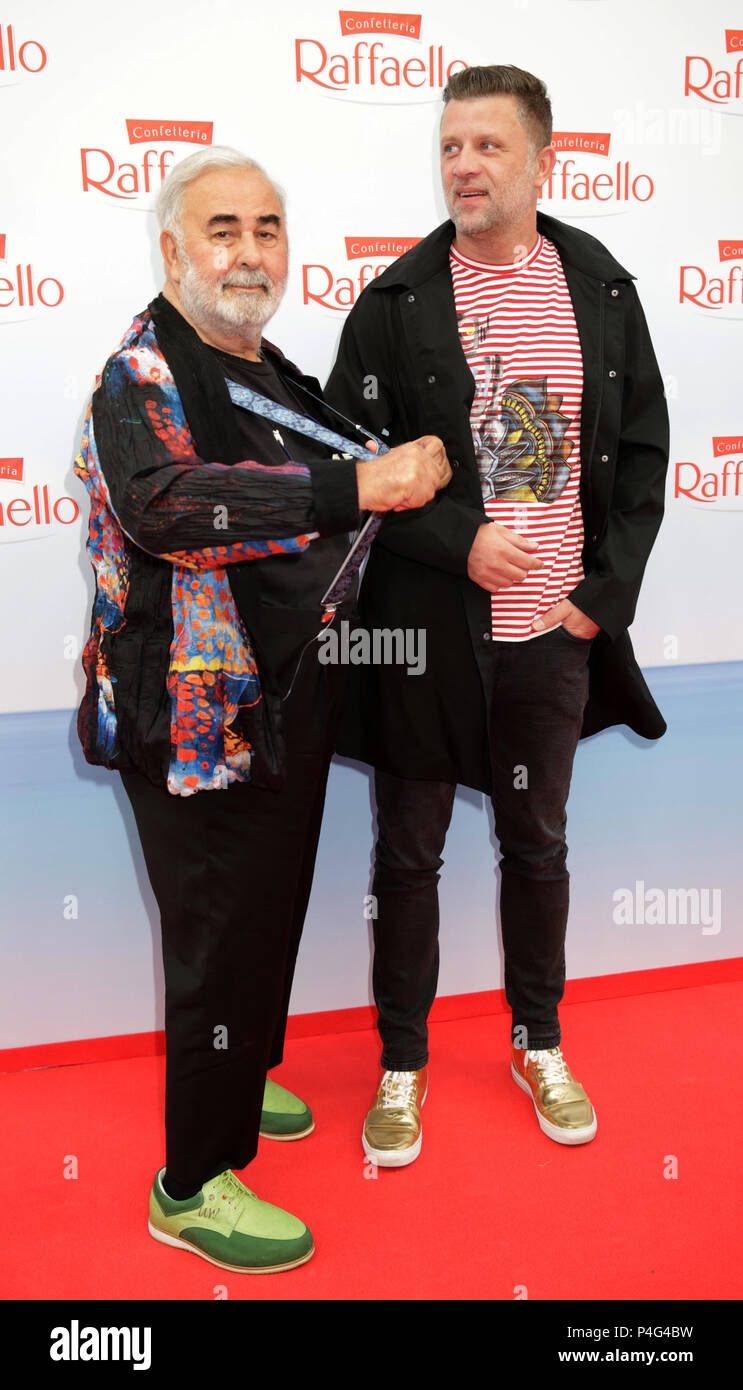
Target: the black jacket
pixel 400 368
pixel 164 494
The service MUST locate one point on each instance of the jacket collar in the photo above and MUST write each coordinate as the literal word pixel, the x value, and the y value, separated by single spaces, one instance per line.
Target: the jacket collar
pixel 199 382
pixel 431 255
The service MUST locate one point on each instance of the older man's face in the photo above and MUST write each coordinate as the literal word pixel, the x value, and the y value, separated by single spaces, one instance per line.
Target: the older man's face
pixel 232 250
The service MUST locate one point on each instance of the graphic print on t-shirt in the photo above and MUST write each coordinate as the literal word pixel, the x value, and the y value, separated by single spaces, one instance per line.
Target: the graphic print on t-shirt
pixel 520 446
pixel 519 337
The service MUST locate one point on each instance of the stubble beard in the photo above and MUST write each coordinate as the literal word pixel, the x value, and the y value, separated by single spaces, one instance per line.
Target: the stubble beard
pixel 507 208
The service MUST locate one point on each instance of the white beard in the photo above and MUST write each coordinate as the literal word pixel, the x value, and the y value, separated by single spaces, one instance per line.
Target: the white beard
pixel 215 307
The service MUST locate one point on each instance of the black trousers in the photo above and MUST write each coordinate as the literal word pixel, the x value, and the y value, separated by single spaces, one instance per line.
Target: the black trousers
pixel 539 691
pixel 232 871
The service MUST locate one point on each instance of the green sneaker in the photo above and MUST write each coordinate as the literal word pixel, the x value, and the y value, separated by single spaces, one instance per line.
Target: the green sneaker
pixel 228 1225
pixel 284 1116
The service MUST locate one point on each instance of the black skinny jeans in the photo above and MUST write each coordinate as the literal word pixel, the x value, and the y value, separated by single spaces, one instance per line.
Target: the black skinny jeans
pixel 539 692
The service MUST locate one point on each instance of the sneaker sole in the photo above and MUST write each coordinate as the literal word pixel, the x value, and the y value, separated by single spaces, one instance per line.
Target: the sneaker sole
pixel 264 1134
pixel 561 1136
pixel 392 1158
pixel 235 1269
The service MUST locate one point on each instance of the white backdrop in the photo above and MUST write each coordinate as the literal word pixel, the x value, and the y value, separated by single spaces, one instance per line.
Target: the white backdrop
pixel 649 103
pixel 342 109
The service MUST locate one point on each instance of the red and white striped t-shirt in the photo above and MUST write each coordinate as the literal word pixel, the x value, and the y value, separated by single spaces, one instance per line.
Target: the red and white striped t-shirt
pixel 518 333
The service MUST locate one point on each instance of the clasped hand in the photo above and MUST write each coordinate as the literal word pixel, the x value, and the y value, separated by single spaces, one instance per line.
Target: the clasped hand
pixel 405 477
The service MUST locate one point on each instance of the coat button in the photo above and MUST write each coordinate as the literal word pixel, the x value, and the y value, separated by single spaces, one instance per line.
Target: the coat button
pixel 411 299
pixel 615 294
pixel 454 464
pixel 486 636
pixel 431 380
pixel 612 374
pixel 593 537
pixel 604 458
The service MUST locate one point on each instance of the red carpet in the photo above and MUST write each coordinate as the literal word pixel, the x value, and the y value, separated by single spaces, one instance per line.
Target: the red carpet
pixel 490 1205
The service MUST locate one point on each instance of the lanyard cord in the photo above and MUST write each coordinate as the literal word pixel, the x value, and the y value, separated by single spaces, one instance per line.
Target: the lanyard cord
pixel 248 399
pixel 368 434
pixel 253 401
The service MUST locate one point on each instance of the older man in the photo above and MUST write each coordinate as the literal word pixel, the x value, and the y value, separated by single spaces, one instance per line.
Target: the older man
pixel 520 340
pixel 219 516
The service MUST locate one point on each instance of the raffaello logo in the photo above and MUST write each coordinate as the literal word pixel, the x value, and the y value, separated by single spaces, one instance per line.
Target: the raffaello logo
pixel 718 81
pixel 586 181
pixel 719 484
pixel 19 56
pixel 31 512
pixel 23 289
pixel 374 58
pixel 715 289
pixel 137 180
pixel 323 286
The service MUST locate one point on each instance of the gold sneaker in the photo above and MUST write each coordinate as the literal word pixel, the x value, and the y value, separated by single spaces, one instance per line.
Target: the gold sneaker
pixel 563 1109
pixel 393 1133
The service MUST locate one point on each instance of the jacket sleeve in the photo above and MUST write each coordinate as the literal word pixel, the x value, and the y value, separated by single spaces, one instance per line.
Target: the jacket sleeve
pixel 364 385
pixel 608 594
pixel 168 500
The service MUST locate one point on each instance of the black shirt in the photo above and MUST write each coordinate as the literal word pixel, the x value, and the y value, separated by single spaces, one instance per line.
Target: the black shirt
pixel 286 581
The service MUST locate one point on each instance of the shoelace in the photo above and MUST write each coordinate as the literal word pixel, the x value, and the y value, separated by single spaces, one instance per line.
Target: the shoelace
pixel 398 1089
pixel 239 1190
pixel 551 1064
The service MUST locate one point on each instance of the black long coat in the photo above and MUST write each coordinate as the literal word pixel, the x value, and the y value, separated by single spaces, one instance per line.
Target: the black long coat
pixel 400 368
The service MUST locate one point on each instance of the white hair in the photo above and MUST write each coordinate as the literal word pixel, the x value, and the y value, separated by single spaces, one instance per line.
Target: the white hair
pixel 169 203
